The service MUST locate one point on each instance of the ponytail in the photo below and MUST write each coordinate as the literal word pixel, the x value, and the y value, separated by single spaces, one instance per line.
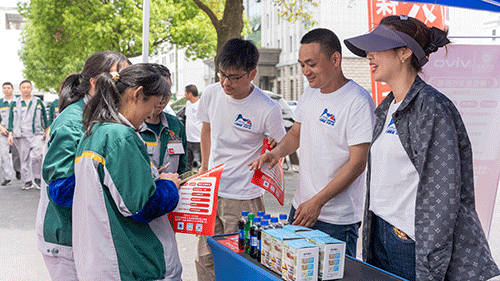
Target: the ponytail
pixel 104 105
pixel 68 92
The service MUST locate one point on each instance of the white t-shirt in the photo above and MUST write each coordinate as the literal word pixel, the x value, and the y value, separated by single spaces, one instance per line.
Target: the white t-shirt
pixel 237 130
pixel 330 123
pixel 394 179
pixel 193 125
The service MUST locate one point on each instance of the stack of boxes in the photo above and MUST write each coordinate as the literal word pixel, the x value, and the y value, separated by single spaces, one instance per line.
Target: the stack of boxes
pixel 302 254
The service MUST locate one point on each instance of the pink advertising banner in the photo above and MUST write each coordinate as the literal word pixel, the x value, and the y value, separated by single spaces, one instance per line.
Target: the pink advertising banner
pixel 470 76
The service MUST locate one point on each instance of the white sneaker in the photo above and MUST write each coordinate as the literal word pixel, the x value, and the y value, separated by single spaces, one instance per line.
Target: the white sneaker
pixel 27 185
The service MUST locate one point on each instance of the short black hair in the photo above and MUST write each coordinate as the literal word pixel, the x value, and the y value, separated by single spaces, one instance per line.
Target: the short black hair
pixel 192 89
pixel 238 54
pixel 25 81
pixel 327 39
pixel 8 84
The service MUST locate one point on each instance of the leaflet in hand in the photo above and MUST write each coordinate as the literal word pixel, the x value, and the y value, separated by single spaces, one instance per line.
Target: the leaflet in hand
pixel 196 210
pixel 272 180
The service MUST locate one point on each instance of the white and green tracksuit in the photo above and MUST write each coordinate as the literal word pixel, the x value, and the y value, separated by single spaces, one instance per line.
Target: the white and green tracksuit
pixel 6 168
pixel 53 222
pixel 120 227
pixel 27 122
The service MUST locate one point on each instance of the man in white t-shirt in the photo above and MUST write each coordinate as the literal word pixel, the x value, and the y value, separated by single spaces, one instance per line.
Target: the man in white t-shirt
pixel 333 127
pixel 193 127
pixel 236 117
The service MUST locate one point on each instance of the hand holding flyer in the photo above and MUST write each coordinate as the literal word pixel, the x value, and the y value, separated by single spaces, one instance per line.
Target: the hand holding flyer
pixel 272 180
pixel 196 210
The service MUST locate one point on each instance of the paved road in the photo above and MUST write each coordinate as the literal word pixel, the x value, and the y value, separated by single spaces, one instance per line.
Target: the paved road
pixel 20 259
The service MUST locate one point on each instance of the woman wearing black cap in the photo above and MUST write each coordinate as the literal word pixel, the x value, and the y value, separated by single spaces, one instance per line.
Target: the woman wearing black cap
pixel 420 220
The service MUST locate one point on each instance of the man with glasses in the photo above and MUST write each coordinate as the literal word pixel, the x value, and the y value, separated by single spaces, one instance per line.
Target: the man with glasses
pixel 236 117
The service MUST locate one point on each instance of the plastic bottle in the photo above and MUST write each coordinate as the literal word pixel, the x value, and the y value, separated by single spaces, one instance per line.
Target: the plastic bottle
pixel 264 224
pixel 260 214
pixel 275 223
pixel 284 219
pixel 247 230
pixel 254 243
pixel 241 230
pixel 267 217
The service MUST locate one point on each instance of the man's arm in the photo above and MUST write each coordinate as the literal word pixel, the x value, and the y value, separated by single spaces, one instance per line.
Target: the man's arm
pixel 3 130
pixel 308 212
pixel 289 143
pixel 205 145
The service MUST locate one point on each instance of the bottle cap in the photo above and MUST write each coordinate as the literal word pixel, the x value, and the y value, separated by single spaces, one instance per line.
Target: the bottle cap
pixel 244 213
pixel 283 216
pixel 274 219
pixel 256 219
pixel 264 222
pixel 267 216
pixel 260 213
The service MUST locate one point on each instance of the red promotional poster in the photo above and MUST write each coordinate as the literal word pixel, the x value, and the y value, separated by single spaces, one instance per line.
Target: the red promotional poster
pixel 272 180
pixel 196 210
pixel 231 242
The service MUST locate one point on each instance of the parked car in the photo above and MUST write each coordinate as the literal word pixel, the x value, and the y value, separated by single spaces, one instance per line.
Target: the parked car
pixel 292 104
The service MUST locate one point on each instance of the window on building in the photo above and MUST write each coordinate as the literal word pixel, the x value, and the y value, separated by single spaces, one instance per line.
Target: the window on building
pixel 291 71
pixel 291 44
pixel 279 46
pixel 278 88
pixel 164 60
pixel 14 22
pixel 292 92
pixel 278 73
pixel 172 57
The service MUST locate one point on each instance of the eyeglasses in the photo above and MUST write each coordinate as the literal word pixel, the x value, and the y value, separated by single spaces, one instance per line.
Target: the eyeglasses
pixel 233 79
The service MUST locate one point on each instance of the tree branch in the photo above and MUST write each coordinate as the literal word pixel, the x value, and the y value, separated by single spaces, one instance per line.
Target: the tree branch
pixel 209 12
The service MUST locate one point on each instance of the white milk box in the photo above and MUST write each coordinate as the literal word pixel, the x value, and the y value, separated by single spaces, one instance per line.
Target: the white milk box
pixel 278 236
pixel 266 239
pixel 331 257
pixel 299 261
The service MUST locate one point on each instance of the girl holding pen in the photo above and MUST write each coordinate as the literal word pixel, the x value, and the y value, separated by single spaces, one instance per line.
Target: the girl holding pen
pixel 120 227
pixel 54 224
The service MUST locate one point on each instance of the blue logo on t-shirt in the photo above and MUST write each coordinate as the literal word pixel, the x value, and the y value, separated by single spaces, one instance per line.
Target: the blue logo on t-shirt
pixel 327 118
pixel 242 122
pixel 391 128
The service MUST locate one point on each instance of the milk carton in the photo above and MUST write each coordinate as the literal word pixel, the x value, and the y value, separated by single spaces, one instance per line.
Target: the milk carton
pixel 331 257
pixel 299 261
pixel 296 228
pixel 275 252
pixel 266 239
pixel 313 233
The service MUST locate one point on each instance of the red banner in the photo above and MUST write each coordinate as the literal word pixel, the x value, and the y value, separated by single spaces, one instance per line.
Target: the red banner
pixel 431 15
pixel 197 207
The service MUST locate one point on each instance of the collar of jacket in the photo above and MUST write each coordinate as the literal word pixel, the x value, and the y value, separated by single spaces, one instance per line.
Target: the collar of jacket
pixel 163 120
pixel 417 85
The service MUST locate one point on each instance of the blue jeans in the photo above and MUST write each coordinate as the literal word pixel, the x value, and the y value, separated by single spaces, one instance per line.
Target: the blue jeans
pixel 347 233
pixel 390 252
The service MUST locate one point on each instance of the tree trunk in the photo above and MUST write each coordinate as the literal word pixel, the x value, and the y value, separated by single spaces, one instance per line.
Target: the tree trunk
pixel 229 27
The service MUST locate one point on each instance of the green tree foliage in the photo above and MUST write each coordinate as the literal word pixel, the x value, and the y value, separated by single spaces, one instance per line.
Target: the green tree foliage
pixel 294 10
pixel 61 34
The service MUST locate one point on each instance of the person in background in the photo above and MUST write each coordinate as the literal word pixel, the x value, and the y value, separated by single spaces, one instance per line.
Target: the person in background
pixel 193 127
pixel 121 229
pixel 53 110
pixel 6 168
pixel 420 220
pixel 27 131
pixel 165 135
pixel 333 127
pixel 236 117
pixel 53 222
